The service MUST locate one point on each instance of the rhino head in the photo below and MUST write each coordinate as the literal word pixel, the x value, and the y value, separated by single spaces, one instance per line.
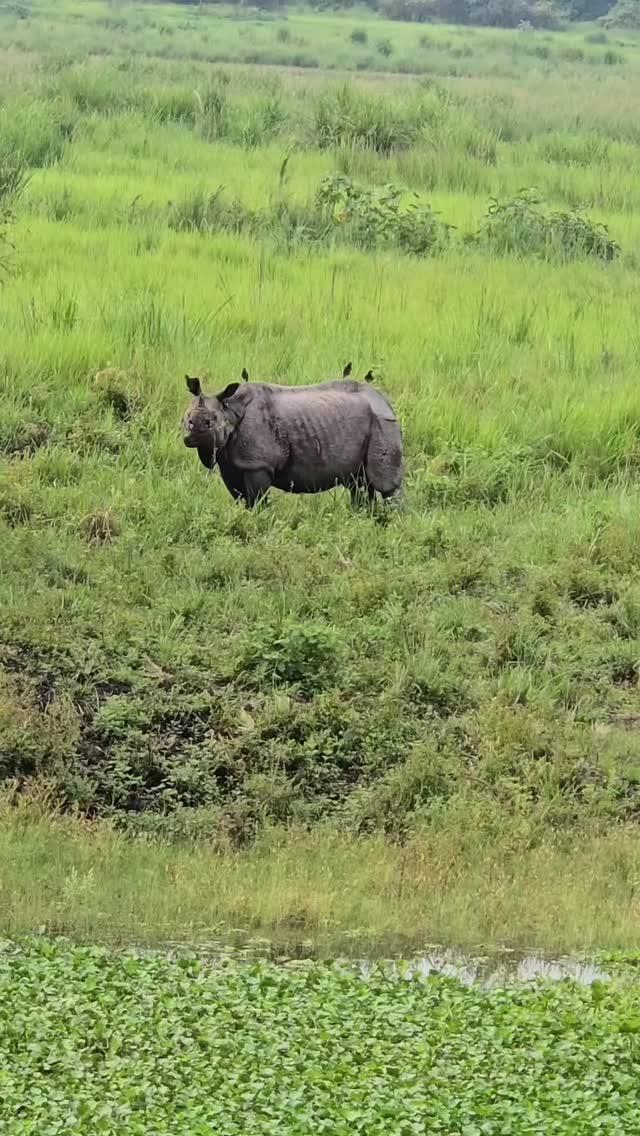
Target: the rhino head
pixel 208 423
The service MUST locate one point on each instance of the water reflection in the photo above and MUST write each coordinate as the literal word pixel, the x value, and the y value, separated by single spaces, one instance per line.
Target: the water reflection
pixel 497 969
pixel 491 970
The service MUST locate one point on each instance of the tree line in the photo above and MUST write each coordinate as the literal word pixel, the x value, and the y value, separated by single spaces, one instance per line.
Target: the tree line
pixel 488 13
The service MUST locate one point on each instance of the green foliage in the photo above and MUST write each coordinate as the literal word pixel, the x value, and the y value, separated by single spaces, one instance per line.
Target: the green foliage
pixel 256 1047
pixel 521 226
pixel 381 217
pixel 305 657
pixel 622 14
pixel 491 13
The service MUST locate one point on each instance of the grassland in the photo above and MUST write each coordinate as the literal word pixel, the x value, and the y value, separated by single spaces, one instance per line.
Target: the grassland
pixel 320 892
pixel 355 40
pixel 293 692
pixel 96 1043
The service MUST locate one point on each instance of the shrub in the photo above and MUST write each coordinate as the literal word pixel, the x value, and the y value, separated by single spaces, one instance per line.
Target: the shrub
pixel 359 36
pixel 521 225
pixel 380 216
pixel 385 47
pixel 307 656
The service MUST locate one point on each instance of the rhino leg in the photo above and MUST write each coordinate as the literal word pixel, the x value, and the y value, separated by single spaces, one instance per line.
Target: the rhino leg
pixel 257 483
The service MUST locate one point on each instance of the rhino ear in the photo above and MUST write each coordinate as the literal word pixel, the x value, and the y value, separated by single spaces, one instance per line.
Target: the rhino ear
pixel 194 386
pixel 347 371
pixel 228 392
pixel 245 375
pixel 368 377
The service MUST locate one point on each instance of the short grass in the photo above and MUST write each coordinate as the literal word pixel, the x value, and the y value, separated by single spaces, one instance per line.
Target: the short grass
pixel 186 670
pixel 91 1042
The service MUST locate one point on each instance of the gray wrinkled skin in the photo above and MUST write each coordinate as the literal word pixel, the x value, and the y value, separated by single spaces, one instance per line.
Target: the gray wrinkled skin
pixel 298 439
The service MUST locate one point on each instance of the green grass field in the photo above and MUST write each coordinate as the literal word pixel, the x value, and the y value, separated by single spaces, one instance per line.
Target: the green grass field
pixel 463 678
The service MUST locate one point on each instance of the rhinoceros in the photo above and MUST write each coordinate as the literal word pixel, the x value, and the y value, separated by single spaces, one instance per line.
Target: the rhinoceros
pixel 298 439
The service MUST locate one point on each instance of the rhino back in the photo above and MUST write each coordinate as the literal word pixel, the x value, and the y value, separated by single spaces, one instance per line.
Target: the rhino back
pixel 313 432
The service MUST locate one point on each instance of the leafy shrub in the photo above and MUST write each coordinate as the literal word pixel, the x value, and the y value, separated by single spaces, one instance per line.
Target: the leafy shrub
pixel 283 35
pixel 307 656
pixel 380 216
pixel 385 48
pixel 521 225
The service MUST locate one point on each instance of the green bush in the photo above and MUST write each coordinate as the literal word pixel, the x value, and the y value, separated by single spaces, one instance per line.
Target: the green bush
pixel 380 217
pixel 306 656
pixel 522 226
pixel 385 48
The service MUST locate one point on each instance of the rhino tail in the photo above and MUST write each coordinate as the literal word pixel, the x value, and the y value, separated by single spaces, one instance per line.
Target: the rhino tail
pixel 384 462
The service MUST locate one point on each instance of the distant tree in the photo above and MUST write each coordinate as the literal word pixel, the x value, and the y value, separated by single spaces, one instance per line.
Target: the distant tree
pixel 624 14
pixel 585 9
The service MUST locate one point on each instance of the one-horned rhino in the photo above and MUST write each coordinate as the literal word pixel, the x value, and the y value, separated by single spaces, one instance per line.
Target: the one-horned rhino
pixel 298 439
